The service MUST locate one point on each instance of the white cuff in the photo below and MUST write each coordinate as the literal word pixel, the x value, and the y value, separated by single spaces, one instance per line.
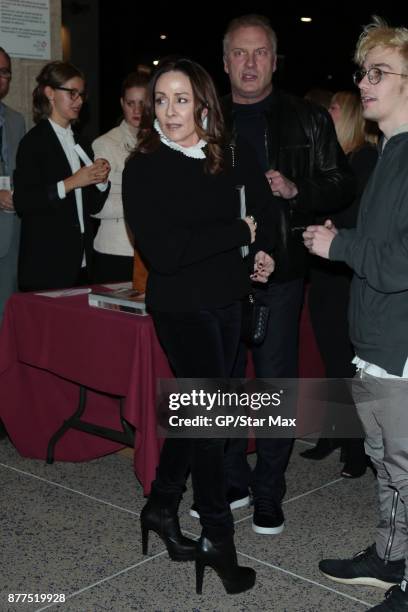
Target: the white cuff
pixel 61 190
pixel 102 186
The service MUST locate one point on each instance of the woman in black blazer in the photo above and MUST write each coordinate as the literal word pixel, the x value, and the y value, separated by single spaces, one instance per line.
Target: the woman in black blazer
pixel 53 193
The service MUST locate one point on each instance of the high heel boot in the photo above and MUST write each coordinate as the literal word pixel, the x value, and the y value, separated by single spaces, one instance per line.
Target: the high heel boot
pixel 222 557
pixel 164 521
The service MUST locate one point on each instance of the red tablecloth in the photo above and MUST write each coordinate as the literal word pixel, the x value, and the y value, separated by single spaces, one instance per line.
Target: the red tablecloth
pixel 50 345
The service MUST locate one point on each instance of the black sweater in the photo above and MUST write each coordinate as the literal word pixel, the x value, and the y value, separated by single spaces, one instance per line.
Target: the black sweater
pixel 185 223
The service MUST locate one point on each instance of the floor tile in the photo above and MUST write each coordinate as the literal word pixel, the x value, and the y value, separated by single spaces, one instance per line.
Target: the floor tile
pixel 55 541
pixel 73 528
pixel 166 586
pixel 110 478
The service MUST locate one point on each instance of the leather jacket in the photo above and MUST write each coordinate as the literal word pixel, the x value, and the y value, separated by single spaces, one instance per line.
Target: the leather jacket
pixel 300 142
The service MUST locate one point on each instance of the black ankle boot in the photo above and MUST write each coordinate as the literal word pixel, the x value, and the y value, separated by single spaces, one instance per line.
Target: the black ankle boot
pixel 323 448
pixel 165 522
pixel 222 557
pixel 354 457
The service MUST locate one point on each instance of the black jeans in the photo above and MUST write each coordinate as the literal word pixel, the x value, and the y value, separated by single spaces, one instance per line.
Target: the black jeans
pixel 328 306
pixel 199 344
pixel 276 357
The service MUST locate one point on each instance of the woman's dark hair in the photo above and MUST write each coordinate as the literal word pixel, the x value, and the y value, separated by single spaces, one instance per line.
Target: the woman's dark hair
pixel 54 75
pixel 205 97
pixel 139 78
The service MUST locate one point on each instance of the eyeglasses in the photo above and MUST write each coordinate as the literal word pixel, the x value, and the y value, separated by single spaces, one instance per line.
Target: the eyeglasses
pixel 5 73
pixel 374 75
pixel 74 94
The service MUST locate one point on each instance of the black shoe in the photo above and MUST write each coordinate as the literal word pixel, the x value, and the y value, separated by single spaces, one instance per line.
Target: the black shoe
pixel 353 469
pixel 323 448
pixel 268 517
pixel 396 599
pixel 236 499
pixel 364 568
pixel 354 458
pixel 165 523
pixel 222 557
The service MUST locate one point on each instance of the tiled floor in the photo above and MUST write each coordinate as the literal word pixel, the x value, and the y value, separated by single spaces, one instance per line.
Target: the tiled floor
pixel 73 529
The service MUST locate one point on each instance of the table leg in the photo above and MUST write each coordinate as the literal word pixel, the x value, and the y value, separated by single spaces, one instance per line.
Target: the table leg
pixel 126 436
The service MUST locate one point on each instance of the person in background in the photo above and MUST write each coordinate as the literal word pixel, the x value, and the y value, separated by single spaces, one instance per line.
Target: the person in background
pixel 376 249
pixel 319 96
pixel 181 203
pixel 53 194
pixel 113 246
pixel 297 149
pixel 330 281
pixel 12 130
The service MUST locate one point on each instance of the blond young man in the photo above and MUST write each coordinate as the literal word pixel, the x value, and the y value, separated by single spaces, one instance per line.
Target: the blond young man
pixel 377 251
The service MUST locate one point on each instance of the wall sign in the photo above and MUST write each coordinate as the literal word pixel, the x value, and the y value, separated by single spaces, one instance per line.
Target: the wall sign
pixel 25 28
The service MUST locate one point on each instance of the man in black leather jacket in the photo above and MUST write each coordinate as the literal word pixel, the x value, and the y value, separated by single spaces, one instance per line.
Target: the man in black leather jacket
pixel 296 145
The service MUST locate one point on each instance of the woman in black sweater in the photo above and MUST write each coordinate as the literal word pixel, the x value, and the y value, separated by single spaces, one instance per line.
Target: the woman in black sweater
pixel 181 204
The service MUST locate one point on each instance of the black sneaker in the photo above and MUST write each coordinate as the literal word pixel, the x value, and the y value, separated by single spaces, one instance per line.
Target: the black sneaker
pixel 268 517
pixel 396 599
pixel 365 568
pixel 237 499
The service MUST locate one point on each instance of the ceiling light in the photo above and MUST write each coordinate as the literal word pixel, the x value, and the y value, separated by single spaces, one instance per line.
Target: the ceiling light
pixel 155 62
pixel 163 36
pixel 306 19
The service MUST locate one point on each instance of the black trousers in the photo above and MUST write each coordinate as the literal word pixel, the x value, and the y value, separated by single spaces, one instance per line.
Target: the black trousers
pixel 276 357
pixel 200 344
pixel 328 306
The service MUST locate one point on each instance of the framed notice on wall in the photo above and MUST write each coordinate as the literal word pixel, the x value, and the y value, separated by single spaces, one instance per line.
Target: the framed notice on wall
pixel 25 28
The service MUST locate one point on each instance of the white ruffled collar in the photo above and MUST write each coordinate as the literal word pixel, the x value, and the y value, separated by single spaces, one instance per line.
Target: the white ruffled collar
pixel 196 151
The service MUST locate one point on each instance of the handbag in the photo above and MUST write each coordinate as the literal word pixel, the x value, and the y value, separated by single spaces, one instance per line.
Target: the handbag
pixel 255 318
